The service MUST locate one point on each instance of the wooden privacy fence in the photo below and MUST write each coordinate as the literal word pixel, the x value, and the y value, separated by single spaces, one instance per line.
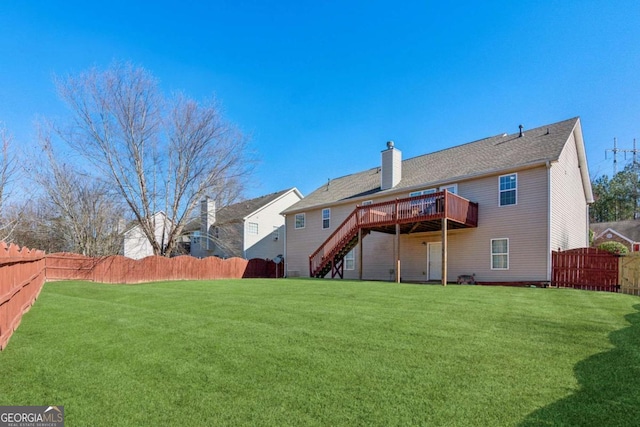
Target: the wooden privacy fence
pixel 585 268
pixel 21 279
pixel 630 274
pixel 119 269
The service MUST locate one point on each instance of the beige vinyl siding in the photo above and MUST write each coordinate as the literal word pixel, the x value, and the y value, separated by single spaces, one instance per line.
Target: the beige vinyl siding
pixel 568 202
pixel 524 224
pixel 303 242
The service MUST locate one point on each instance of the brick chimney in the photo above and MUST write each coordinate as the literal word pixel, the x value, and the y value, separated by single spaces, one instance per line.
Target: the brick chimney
pixel 391 172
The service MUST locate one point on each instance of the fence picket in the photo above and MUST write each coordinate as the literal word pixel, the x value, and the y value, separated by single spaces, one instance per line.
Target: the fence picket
pixel 585 268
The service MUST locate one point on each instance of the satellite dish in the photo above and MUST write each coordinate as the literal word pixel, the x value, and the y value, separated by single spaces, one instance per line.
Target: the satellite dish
pixel 278 259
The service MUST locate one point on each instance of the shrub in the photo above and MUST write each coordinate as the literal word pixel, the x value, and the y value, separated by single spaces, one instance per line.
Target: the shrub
pixel 614 248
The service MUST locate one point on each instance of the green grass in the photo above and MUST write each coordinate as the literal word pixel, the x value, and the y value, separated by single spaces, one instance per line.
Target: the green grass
pixel 326 353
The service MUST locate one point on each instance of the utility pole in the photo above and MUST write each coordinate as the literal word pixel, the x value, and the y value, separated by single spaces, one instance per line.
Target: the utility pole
pixel 615 155
pixel 635 168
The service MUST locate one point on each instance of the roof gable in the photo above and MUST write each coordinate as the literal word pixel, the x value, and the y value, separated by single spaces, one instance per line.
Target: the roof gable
pixel 483 157
pixel 238 211
pixel 628 230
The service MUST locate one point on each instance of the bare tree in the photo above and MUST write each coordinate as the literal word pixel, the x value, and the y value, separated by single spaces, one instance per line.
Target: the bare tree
pixel 155 153
pixel 80 206
pixel 8 174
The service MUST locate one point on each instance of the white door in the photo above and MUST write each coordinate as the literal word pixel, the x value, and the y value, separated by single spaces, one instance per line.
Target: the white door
pixel 434 261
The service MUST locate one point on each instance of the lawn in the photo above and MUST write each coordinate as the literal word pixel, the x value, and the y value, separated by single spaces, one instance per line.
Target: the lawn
pixel 326 353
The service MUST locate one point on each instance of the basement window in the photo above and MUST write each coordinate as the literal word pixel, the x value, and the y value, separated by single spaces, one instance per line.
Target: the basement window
pixel 499 254
pixel 350 260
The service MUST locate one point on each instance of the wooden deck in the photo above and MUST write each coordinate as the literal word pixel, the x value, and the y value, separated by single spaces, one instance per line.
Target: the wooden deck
pixel 413 215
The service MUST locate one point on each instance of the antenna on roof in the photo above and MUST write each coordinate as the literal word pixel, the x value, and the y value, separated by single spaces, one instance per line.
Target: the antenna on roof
pixel 521 133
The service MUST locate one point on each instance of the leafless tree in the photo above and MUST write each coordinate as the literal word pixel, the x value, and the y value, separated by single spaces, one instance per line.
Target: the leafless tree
pixel 80 206
pixel 155 153
pixel 8 174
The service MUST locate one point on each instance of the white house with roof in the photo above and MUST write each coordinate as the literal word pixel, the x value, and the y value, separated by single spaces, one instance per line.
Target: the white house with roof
pixel 249 229
pixel 494 208
pixel 137 246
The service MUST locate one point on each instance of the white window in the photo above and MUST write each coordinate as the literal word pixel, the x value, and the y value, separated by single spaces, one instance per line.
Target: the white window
pixel 420 193
pixel 499 254
pixel 300 218
pixel 453 188
pixel 508 189
pixel 276 232
pixel 252 228
pixel 326 218
pixel 350 260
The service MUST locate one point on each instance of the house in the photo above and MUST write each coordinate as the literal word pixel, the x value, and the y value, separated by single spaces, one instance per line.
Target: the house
pixel 250 229
pixel 136 244
pixel 625 232
pixel 496 208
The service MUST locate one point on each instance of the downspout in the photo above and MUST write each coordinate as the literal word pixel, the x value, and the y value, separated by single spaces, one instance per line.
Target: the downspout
pixel 286 257
pixel 549 259
pixel 244 243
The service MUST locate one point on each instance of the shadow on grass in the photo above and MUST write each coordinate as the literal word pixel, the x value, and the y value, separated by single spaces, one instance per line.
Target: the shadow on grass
pixel 609 386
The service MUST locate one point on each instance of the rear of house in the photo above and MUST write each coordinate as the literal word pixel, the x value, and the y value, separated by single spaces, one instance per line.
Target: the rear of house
pixel 528 193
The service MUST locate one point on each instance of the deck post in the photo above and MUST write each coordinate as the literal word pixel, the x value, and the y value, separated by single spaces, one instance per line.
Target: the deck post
pixel 397 245
pixel 444 251
pixel 360 251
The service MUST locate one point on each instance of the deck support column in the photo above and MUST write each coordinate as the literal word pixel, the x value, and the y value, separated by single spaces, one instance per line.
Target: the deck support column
pixel 444 251
pixel 360 252
pixel 397 245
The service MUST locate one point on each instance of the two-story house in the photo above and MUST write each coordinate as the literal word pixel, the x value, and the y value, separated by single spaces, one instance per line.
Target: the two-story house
pixel 495 208
pixel 249 229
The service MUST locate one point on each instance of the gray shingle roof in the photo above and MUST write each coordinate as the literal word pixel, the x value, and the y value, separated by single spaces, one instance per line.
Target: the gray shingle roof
pixel 485 156
pixel 629 229
pixel 240 210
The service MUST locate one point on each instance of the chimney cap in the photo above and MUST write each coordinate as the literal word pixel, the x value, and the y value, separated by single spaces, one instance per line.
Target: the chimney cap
pixel 390 144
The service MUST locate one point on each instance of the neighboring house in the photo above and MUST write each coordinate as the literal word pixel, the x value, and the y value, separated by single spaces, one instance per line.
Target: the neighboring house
pixel 496 208
pixel 625 232
pixel 250 229
pixel 136 244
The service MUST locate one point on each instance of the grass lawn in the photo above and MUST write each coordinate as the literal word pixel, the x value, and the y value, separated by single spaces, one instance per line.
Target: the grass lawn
pixel 326 353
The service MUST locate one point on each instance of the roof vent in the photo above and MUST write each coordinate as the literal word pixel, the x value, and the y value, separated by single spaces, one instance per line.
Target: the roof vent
pixel 521 133
pixel 390 144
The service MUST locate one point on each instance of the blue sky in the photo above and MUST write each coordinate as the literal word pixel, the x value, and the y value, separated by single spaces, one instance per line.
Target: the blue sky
pixel 321 86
